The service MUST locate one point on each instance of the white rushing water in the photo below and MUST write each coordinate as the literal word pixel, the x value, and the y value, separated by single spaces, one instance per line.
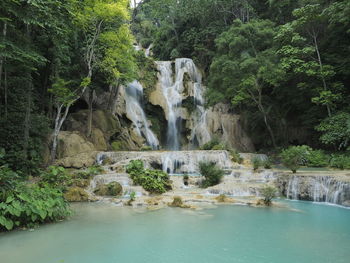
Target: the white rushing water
pixel 172 162
pixel 135 112
pixel 318 189
pixel 172 85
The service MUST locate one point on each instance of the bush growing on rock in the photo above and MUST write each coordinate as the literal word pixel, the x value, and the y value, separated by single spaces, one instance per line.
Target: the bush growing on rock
pixel 153 181
pixel 235 156
pixel 211 173
pixel 146 148
pixel 256 163
pixel 267 163
pixel 211 144
pixel 268 192
pixel 317 158
pixel 295 156
pixel 340 161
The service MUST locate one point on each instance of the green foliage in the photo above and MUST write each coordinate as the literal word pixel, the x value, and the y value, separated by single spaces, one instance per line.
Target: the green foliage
pixel 295 156
pixel 117 146
pixel 147 74
pixel 267 164
pixel 211 144
pixel 340 161
pixel 256 161
pixel 336 130
pixel 177 202
pixel 211 173
pixel 235 156
pixel 153 181
pixel 146 148
pixel 317 158
pixel 56 176
pixel 29 205
pixel 268 192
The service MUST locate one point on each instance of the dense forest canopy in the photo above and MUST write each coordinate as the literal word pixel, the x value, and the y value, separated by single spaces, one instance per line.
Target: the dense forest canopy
pixel 284 65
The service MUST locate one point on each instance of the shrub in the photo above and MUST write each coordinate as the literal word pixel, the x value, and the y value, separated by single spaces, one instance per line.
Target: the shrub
pixel 211 172
pixel 146 148
pixel 219 146
pixel 268 192
pixel 221 198
pixel 340 161
pixel 117 146
pixel 132 198
pixel 177 202
pixel 211 144
pixel 235 156
pixel 256 163
pixel 295 156
pixel 135 167
pixel 27 206
pixel 56 176
pixel 317 158
pixel 267 163
pixel 153 181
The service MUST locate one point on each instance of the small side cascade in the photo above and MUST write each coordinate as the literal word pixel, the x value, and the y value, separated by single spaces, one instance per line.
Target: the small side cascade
pixel 123 179
pixel 318 189
pixel 134 110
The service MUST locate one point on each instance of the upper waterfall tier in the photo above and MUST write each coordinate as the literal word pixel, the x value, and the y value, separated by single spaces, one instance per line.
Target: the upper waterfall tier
pixel 135 112
pixel 175 92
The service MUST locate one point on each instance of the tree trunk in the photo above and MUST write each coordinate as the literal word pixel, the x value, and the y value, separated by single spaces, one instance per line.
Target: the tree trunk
pixel 58 125
pixel 27 121
pixel 90 103
pixel 2 60
pixel 5 95
pixel 321 69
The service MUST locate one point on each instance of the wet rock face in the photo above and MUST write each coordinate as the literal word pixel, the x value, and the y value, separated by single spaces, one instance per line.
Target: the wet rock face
pixel 317 188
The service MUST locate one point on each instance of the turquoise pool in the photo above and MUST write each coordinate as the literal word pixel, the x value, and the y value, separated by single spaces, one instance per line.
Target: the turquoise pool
pixel 100 233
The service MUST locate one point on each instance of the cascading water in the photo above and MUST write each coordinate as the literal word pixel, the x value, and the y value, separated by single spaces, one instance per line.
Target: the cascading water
pixel 133 98
pixel 318 189
pixel 173 98
pixel 174 94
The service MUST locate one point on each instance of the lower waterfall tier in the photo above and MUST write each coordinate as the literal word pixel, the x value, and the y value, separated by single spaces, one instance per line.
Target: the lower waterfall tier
pixel 239 180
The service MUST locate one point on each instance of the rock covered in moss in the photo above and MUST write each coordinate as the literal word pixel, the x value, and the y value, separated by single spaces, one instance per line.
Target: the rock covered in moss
pixel 76 194
pixel 111 189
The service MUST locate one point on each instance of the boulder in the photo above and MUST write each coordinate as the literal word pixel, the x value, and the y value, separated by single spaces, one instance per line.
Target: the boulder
pixel 78 161
pixel 76 194
pixel 72 143
pixel 111 189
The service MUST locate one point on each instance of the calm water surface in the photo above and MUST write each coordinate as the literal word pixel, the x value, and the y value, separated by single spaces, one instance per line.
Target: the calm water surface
pixel 107 234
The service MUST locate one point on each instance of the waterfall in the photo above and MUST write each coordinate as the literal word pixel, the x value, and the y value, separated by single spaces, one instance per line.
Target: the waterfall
pixel 318 189
pixel 174 92
pixel 172 162
pixel 134 110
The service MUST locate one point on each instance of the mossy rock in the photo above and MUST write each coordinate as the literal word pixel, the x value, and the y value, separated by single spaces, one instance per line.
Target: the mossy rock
pixel 79 182
pixel 76 194
pixel 177 202
pixel 111 189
